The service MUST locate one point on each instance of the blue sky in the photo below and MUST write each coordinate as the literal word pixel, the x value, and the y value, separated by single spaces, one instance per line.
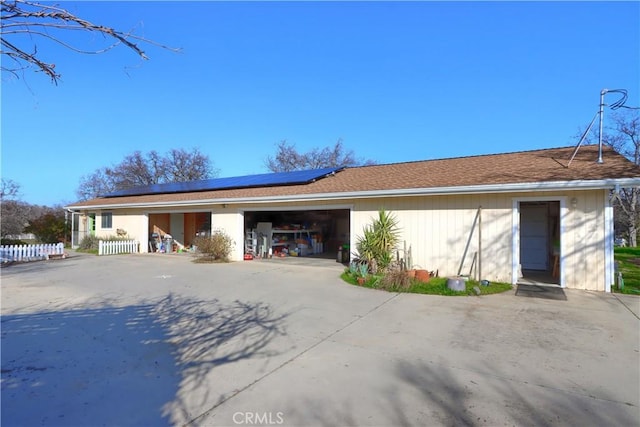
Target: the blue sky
pixel 395 81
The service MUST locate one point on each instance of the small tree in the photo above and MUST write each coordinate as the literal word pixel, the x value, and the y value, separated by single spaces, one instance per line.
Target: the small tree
pixel 50 227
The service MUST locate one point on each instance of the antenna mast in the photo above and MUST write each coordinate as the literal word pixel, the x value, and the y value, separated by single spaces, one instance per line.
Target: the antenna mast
pixel 603 92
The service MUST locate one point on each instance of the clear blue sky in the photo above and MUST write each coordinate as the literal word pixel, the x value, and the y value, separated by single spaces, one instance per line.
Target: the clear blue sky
pixel 396 81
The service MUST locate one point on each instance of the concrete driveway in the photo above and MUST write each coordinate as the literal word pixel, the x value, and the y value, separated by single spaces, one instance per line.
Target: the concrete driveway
pixel 151 340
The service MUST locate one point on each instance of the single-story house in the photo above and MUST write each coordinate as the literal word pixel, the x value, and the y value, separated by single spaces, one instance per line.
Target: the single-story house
pixel 541 215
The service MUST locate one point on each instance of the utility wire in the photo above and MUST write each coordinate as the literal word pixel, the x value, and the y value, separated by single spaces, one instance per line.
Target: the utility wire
pixel 620 102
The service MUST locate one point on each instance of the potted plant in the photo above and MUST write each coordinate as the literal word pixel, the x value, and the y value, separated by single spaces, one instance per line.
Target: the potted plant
pixel 363 272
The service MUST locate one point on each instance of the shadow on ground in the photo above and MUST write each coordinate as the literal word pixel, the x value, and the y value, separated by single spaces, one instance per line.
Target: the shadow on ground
pixel 523 403
pixel 123 365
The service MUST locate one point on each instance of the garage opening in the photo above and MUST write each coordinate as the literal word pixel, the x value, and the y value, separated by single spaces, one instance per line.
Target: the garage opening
pixel 177 230
pixel 299 233
pixel 540 242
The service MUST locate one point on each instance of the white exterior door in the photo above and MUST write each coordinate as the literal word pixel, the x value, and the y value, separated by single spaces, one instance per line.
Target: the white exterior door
pixel 534 240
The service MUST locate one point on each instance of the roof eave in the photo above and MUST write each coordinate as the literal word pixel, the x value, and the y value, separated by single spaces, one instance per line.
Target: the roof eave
pixel 600 184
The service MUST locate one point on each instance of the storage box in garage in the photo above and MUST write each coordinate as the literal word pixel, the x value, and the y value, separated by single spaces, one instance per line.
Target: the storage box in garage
pixel 303 249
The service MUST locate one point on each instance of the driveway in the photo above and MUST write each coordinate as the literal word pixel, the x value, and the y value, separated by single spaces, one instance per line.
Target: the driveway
pixel 151 340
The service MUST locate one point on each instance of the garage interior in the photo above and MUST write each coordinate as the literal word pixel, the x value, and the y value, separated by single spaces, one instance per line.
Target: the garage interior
pixel 309 233
pixel 540 242
pixel 182 229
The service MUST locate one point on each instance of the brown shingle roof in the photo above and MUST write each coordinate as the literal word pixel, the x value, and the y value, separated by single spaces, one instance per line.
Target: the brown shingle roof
pixel 549 165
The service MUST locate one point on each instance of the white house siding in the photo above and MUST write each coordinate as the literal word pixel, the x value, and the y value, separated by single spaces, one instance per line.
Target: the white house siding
pixel 585 248
pixel 437 229
pixel 133 221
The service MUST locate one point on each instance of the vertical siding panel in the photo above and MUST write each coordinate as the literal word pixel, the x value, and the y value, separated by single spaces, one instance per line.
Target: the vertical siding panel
pixel 415 224
pixel 581 242
pixel 574 235
pixel 597 273
pixel 441 223
pixel 590 243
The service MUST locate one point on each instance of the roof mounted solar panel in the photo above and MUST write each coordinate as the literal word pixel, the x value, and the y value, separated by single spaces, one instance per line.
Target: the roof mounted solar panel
pixel 247 181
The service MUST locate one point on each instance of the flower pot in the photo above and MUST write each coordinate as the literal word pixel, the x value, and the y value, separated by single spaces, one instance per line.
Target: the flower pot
pixel 411 274
pixel 423 275
pixel 360 281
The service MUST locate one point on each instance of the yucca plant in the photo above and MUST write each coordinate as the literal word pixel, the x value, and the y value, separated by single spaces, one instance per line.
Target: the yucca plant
pixel 378 241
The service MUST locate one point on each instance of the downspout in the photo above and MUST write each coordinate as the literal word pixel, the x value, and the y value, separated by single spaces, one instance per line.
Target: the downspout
pixel 608 242
pixel 72 212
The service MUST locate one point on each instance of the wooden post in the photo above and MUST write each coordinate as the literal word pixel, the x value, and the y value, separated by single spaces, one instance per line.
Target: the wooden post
pixel 479 243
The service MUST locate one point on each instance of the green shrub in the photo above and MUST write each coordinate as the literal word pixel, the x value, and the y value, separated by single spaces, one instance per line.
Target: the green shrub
pixel 89 243
pixel 10 242
pixel 217 247
pixel 50 227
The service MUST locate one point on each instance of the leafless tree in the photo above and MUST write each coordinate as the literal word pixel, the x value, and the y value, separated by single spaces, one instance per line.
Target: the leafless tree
pixel 287 158
pixel 15 214
pixel 26 24
pixel 622 133
pixel 9 189
pixel 15 217
pixel 138 169
pixel 182 166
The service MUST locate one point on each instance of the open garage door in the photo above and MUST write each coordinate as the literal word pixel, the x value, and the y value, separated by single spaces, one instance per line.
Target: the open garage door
pixel 313 233
pixel 183 227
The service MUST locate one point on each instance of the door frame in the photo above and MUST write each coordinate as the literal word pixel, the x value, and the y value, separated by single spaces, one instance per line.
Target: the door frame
pixel 515 233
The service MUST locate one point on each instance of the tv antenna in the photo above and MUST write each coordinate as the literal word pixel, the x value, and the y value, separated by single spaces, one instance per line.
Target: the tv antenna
pixel 614 106
pixel 619 103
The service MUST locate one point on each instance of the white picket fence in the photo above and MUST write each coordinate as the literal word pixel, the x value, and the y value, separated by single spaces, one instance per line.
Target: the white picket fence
pixel 115 247
pixel 24 253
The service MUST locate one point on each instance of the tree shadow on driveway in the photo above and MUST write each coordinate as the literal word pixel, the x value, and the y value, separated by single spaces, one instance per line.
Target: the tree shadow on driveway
pixel 495 400
pixel 130 365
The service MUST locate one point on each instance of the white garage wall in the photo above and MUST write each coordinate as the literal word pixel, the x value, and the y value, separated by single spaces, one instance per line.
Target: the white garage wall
pixel 231 221
pixel 131 220
pixel 437 229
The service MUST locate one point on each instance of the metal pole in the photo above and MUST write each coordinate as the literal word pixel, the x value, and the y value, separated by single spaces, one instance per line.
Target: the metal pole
pixel 480 243
pixel 584 135
pixel 602 94
pixel 72 226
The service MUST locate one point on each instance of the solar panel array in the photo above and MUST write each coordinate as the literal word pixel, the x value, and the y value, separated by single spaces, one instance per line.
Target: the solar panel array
pixel 248 181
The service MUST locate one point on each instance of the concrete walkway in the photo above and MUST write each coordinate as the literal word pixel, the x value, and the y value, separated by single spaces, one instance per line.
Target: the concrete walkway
pixel 157 340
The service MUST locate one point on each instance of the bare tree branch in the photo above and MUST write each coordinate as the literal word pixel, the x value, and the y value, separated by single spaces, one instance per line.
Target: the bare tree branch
pixel 138 169
pixel 9 189
pixel 37 21
pixel 288 159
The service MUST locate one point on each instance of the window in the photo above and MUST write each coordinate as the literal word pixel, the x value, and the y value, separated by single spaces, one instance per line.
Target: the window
pixel 107 220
